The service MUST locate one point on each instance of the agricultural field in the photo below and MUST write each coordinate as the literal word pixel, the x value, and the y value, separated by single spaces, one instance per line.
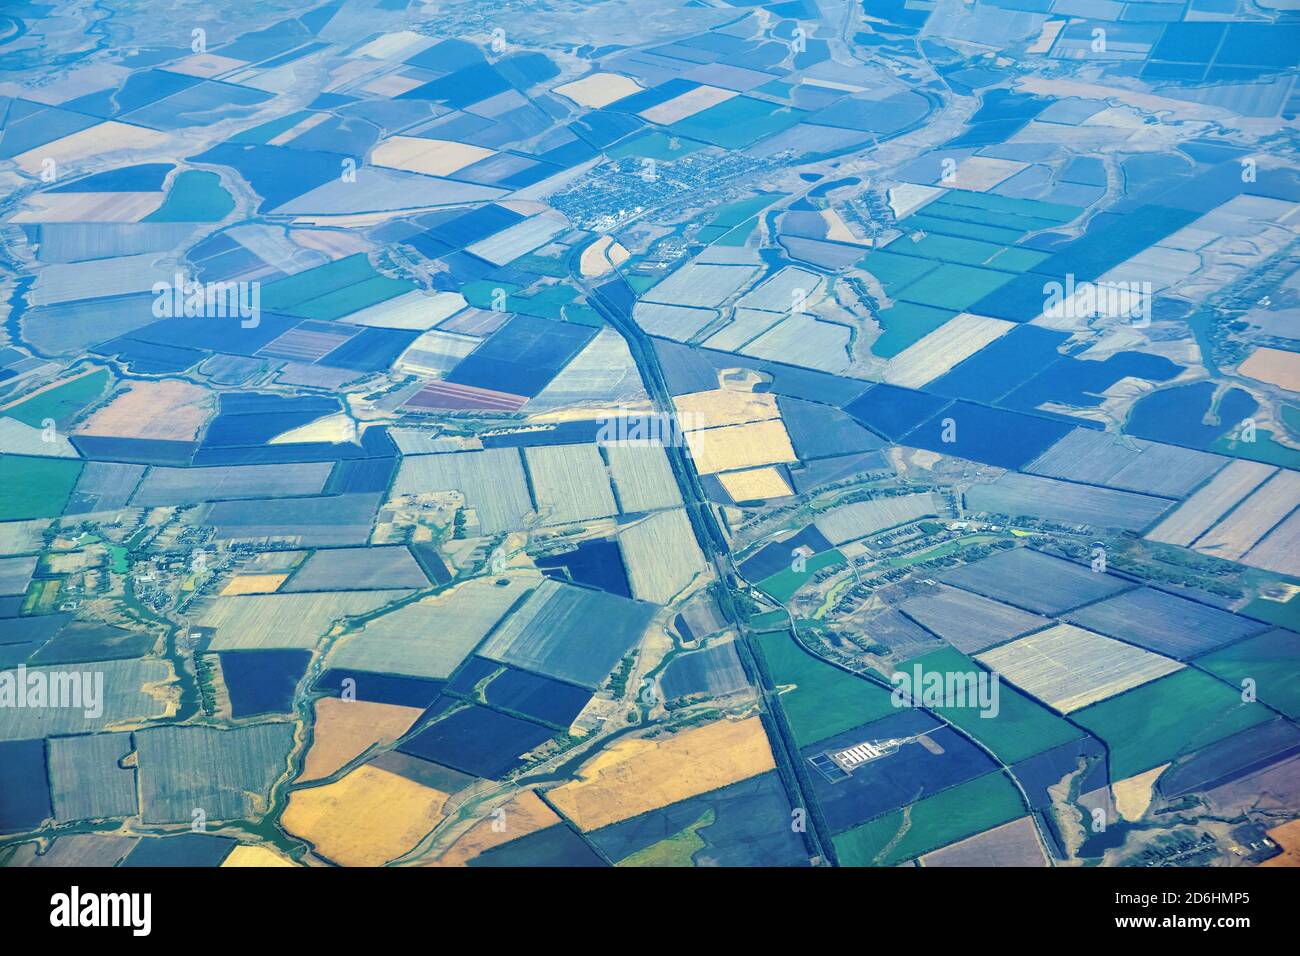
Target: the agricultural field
pixel 603 415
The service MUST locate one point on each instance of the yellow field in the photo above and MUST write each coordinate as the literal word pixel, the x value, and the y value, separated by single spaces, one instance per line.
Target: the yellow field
pixel 253 584
pixel 599 89
pixel 168 410
pixel 601 256
pixel 724 406
pixel 345 729
pixel 686 105
pixel 1133 796
pixel 392 85
pixel 1275 366
pixel 433 157
pixel 981 173
pixel 636 775
pixel 755 484
pixel 1287 836
pixel 524 814
pixel 256 856
pixel 369 817
pixel 739 446
pixel 106 137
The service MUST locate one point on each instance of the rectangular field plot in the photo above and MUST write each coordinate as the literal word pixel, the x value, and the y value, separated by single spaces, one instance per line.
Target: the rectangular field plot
pixel 968 621
pixel 478 740
pixel 1016 495
pixel 1271 660
pixel 133 691
pixel 181 486
pixel 1034 581
pixel 715 671
pixel 263 621
pixel 1154 723
pixel 538 698
pixel 86 781
pixel 635 775
pixel 492 482
pixel 569 482
pixel 863 518
pixel 358 569
pixel 661 555
pixel 929 757
pixel 1164 623
pixel 1208 505
pixel 227 773
pixel 819 700
pixel 1095 457
pixel 643 478
pixel 1067 667
pixel 954 814
pixel 430 637
pixel 570 633
pixel 1239 530
pixel 1011 844
pixel 744 824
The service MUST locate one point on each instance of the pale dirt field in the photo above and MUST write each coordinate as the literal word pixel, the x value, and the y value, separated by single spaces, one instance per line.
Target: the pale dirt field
pixel 106 137
pixel 1134 795
pixel 755 484
pixel 724 406
pixel 433 157
pixel 601 257
pixel 954 341
pixel 599 89
pixel 336 429
pixel 167 410
pixel 636 775
pixel 740 446
pixel 687 105
pixel 1275 366
pixel 369 817
pixel 344 729
pixel 89 207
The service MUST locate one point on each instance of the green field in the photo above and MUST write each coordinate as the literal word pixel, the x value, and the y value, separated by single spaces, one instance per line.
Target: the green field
pixel 783 584
pixel 953 286
pixel 904 324
pixel 738 122
pixel 195 196
pixel 954 814
pixel 62 402
pixel 676 850
pixel 654 145
pixel 1152 724
pixel 1270 660
pixel 1022 727
pixel 894 271
pixel 35 487
pixel 824 700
